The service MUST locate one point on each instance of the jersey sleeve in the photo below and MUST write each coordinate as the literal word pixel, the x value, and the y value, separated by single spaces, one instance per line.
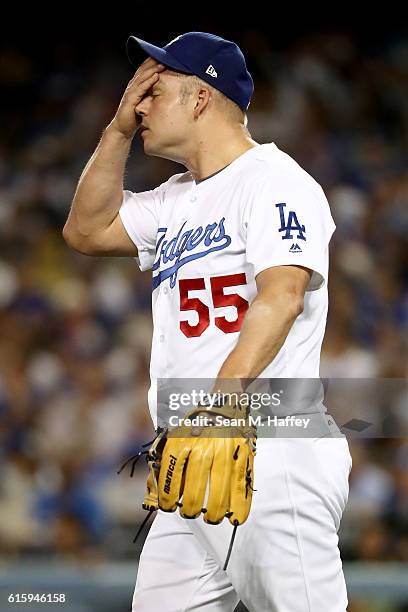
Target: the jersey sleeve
pixel 139 213
pixel 291 225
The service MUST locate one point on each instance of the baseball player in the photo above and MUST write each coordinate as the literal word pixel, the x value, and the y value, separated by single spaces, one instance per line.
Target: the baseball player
pixel 238 248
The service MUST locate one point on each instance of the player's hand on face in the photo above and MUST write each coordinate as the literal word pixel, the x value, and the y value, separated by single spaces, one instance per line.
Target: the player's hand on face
pixel 126 121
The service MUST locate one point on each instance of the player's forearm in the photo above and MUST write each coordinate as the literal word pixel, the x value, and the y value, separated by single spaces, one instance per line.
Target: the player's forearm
pixel 264 331
pixel 99 192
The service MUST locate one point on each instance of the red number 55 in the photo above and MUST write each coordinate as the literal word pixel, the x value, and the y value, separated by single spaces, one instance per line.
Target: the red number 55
pixel 218 283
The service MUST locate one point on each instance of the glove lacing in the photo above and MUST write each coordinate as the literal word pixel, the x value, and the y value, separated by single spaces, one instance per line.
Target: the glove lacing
pixel 135 458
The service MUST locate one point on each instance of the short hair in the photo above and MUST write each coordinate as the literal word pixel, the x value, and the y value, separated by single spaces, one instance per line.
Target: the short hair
pixel 191 82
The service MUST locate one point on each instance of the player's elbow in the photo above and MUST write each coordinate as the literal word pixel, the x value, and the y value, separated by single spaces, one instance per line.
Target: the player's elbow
pixel 77 243
pixel 67 236
pixel 294 305
pixel 298 305
pixel 70 238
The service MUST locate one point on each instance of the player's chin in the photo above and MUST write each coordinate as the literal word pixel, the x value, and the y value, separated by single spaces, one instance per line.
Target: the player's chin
pixel 153 149
pixel 150 148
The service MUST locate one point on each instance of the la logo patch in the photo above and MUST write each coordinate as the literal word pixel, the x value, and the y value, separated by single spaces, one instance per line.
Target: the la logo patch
pixel 290 225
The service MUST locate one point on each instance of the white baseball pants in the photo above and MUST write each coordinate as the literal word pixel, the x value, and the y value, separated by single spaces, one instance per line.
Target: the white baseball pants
pixel 285 557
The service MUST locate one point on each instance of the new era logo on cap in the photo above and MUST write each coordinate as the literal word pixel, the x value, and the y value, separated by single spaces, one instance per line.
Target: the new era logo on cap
pixel 211 71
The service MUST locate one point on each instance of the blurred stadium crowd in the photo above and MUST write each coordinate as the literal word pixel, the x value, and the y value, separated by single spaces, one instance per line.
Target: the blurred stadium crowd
pixel 75 331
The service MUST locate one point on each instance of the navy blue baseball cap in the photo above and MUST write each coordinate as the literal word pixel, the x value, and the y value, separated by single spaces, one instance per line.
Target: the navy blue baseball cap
pixel 216 61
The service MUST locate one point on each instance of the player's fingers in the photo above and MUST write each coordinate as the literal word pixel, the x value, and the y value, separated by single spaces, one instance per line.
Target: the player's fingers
pixel 150 61
pixel 146 84
pixel 218 497
pixel 140 87
pixel 241 482
pixel 149 70
pixel 196 478
pixel 142 74
pixel 175 454
pixel 148 80
pixel 135 95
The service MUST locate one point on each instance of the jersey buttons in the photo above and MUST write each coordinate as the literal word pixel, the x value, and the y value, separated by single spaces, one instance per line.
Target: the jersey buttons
pixel 165 290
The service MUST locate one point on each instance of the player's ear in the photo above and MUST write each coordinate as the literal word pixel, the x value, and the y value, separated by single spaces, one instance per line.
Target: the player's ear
pixel 203 98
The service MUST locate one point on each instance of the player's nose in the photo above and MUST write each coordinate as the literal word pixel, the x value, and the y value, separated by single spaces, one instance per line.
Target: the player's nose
pixel 141 108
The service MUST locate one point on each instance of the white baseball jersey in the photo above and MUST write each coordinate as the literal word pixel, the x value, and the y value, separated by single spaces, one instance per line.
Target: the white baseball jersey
pixel 206 241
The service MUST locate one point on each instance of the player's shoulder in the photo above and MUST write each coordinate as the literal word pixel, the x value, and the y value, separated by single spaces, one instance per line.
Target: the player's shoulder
pixel 275 169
